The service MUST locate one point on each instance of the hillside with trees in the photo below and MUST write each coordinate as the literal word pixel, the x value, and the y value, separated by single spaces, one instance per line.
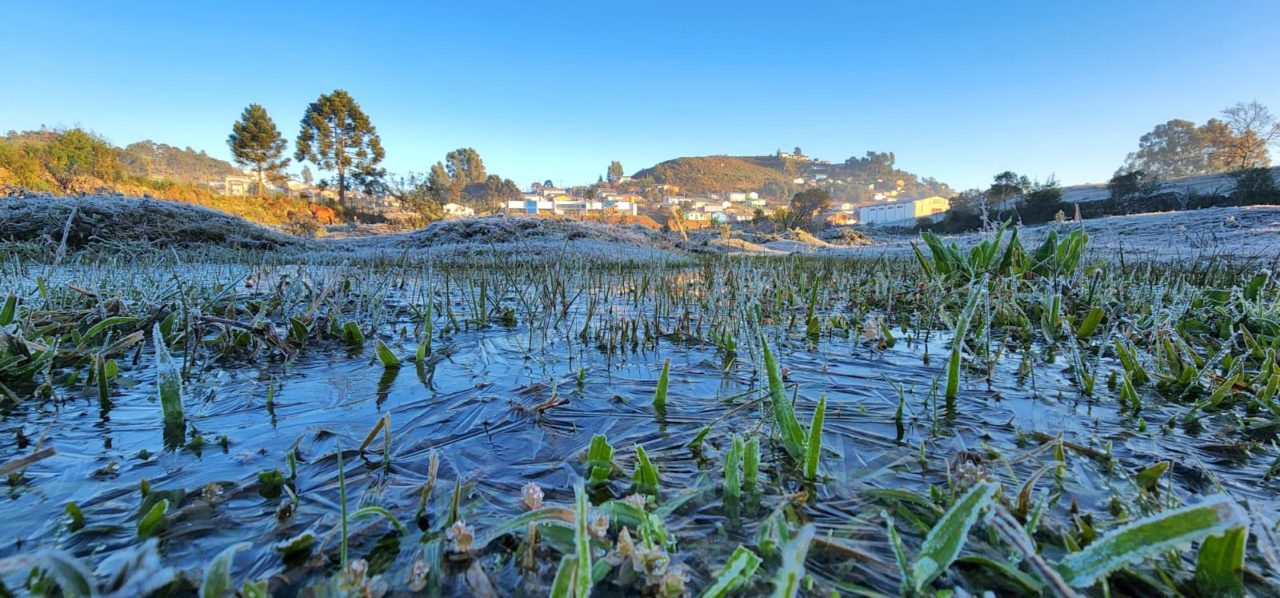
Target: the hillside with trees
pixel 711 174
pixel 25 155
pixel 76 161
pixel 152 160
pixel 857 179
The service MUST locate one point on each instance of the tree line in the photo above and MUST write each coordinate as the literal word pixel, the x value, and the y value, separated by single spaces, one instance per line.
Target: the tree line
pixel 336 135
pixel 1237 144
pixel 1180 148
pixel 76 161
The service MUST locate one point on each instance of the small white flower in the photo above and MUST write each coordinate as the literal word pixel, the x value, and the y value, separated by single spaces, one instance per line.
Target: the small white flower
pixel 460 537
pixel 598 524
pixel 532 495
pixel 623 551
pixel 418 575
pixel 353 574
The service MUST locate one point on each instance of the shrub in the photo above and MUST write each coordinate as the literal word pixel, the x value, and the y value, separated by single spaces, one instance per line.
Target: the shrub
pixel 1254 186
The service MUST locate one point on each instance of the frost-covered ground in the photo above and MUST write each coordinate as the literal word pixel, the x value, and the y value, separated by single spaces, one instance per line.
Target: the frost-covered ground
pixel 1246 232
pixel 106 221
pixel 523 238
pixel 113 223
pixel 116 223
pixel 1204 185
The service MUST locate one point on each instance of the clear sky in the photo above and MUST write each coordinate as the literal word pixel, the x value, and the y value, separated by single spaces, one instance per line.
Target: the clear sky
pixel 555 90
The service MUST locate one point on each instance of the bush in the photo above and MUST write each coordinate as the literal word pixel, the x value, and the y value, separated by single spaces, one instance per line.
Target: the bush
pixel 1130 193
pixel 1042 204
pixel 1125 188
pixel 1254 186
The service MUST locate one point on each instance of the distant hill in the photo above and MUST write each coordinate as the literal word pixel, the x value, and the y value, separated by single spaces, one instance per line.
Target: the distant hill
pixel 161 161
pixel 77 162
pixel 145 159
pixel 856 179
pixel 710 174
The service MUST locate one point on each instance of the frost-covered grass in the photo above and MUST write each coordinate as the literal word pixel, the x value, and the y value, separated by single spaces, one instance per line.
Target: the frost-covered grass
pixel 105 222
pixel 1237 232
pixel 1031 416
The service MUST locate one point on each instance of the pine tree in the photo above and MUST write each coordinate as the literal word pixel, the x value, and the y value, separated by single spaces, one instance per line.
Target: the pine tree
pixel 337 135
pixel 256 143
pixel 438 184
pixel 615 172
pixel 465 166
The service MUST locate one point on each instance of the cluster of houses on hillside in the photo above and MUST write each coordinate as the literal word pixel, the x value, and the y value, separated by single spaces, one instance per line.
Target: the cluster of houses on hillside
pixel 713 208
pixel 661 203
pixel 720 207
pixel 247 184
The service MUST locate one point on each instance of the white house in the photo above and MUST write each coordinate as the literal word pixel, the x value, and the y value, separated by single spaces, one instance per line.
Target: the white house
pixel 902 212
pixel 562 205
pixel 454 210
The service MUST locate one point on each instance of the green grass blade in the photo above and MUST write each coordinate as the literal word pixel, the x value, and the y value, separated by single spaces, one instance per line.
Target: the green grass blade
pixel 645 477
pixel 599 460
pixel 732 480
pixel 352 335
pixel 103 380
pixel 784 415
pixel 299 331
pixel 786 583
pixel 153 521
pixel 899 553
pixel 581 543
pixel 168 379
pixel 71 576
pixel 1090 323
pixel 814 453
pixel 924 263
pixel 385 355
pixel 217 577
pixel 1220 563
pixel 102 326
pixel 10 309
pixel 660 395
pixel 1149 536
pixel 372 510
pixel 957 343
pixel 751 464
pixel 559 516
pixel 562 586
pixel 735 574
pixel 943 543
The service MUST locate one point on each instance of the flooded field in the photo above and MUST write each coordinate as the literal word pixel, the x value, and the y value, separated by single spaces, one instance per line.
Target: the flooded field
pixel 1023 420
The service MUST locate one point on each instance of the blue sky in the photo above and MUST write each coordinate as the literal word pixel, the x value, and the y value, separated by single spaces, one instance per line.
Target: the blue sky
pixel 555 90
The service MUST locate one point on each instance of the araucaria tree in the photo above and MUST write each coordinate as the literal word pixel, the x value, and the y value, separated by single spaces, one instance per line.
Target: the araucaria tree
pixel 256 143
pixel 337 135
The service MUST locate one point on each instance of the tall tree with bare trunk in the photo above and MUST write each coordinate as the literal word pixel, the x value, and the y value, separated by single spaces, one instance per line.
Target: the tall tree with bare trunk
pixel 256 143
pixel 337 135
